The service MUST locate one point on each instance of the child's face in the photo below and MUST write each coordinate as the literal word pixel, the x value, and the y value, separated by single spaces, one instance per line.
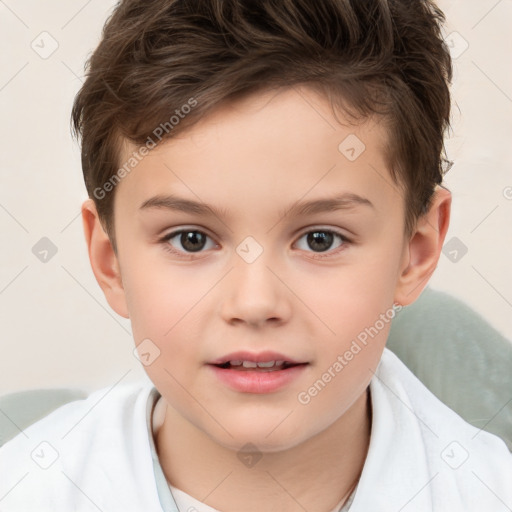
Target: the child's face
pixel 307 298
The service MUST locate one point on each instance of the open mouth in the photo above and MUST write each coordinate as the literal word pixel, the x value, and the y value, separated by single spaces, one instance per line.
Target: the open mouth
pixel 251 366
pixel 257 373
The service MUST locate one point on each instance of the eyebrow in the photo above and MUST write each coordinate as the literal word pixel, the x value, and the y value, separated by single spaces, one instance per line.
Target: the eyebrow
pixel 345 201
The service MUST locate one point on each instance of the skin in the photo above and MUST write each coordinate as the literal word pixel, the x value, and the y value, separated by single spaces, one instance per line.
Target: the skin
pixel 255 158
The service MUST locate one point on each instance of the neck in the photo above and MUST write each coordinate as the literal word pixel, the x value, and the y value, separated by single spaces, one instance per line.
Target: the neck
pixel 314 475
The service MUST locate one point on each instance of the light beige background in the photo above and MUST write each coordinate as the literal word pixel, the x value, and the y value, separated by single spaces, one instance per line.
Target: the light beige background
pixel 56 327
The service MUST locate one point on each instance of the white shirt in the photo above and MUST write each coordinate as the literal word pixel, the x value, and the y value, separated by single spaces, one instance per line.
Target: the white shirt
pixel 98 454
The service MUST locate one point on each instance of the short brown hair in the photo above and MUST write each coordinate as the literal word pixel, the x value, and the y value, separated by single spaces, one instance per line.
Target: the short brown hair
pixel 369 57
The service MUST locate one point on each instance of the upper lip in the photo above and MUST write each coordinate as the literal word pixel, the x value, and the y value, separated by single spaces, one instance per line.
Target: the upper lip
pixel 259 357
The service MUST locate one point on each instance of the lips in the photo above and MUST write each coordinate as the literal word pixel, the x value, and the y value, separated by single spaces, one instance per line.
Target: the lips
pixel 247 366
pixel 257 373
pixel 261 362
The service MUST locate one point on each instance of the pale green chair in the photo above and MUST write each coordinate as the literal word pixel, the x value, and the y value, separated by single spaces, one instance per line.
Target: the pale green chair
pixel 463 360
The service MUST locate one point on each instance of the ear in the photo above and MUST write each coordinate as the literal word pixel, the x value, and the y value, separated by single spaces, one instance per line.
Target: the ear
pixel 104 262
pixel 424 248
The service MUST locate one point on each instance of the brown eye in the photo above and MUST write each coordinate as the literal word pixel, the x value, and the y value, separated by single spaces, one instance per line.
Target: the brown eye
pixel 321 241
pixel 186 241
pixel 192 241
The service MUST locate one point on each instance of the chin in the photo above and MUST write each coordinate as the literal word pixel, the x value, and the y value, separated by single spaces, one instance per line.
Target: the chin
pixel 265 437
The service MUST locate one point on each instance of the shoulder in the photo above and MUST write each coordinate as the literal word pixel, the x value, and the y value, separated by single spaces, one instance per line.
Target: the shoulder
pixel 420 447
pixel 409 398
pixel 107 405
pixel 403 389
pixel 92 447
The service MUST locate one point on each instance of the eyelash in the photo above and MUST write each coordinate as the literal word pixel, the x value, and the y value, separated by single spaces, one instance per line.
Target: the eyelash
pixel 191 255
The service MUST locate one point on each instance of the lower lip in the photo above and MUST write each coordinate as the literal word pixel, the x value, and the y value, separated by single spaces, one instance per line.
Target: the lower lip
pixel 258 381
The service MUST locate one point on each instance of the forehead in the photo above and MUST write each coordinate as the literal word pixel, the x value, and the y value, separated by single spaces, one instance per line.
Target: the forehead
pixel 271 148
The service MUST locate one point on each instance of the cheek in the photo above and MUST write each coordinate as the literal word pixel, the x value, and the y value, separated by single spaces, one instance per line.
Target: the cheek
pixel 355 306
pixel 351 298
pixel 171 307
pixel 160 297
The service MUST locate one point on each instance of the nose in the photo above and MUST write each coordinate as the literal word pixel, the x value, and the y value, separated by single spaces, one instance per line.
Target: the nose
pixel 254 294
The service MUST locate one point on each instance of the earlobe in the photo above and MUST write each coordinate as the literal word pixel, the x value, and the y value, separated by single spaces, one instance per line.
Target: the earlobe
pixel 104 262
pixel 424 248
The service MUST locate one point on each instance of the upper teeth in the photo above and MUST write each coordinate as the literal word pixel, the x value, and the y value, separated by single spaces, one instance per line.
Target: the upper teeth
pixel 252 364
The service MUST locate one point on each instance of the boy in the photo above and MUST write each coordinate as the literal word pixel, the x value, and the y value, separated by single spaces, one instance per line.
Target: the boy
pixel 300 144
